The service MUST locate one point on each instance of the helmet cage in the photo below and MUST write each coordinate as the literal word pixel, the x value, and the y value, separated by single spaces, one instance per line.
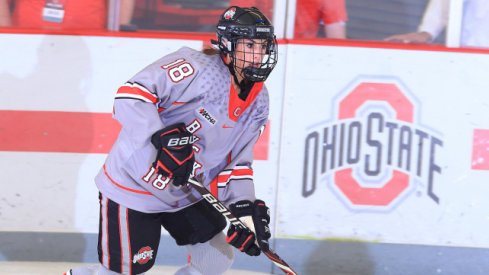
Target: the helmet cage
pixel 254 71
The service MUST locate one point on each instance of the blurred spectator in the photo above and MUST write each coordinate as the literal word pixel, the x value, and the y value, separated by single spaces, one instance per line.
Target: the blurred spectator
pixel 311 14
pixel 5 20
pixel 125 15
pixel 55 14
pixel 475 24
pixel 177 15
pixel 186 15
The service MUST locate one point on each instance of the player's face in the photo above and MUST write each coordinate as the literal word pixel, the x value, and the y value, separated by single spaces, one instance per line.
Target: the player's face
pixel 249 53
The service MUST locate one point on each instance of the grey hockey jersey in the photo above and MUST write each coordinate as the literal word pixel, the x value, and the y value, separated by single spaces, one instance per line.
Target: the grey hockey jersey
pixel 191 87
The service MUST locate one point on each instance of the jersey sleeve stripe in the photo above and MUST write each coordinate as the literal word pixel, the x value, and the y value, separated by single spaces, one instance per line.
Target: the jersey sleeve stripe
pixel 136 97
pixel 238 173
pixel 142 88
pixel 136 91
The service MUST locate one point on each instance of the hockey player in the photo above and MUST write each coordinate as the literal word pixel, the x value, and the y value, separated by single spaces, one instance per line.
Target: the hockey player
pixel 190 113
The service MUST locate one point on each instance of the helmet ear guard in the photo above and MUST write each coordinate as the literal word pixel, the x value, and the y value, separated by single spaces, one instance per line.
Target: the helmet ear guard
pixel 222 44
pixel 227 46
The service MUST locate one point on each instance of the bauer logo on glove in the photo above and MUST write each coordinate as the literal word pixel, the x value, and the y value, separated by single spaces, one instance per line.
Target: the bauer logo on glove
pixel 181 141
pixel 175 155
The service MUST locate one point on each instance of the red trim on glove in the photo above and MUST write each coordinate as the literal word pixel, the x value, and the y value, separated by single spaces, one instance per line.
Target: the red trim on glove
pixel 245 242
pixel 231 238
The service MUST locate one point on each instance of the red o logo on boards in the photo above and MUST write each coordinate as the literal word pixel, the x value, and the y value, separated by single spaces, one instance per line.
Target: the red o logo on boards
pixel 360 95
pixel 372 151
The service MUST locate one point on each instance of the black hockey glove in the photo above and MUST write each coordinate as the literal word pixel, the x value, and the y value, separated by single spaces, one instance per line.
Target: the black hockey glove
pixel 175 157
pixel 243 239
pixel 257 217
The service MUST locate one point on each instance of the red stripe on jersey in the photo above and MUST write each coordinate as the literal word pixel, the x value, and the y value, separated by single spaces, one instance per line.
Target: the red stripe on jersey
pixel 123 187
pixel 213 188
pixel 230 155
pixel 48 131
pixel 225 177
pixel 136 91
pixel 260 150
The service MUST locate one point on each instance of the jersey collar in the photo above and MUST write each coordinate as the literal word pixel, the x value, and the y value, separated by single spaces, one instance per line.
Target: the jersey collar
pixel 237 106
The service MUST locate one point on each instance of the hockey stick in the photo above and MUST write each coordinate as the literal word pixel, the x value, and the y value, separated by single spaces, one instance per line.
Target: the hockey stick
pixel 236 222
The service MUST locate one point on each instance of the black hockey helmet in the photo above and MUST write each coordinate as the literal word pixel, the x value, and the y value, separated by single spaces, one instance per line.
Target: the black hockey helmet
pixel 236 25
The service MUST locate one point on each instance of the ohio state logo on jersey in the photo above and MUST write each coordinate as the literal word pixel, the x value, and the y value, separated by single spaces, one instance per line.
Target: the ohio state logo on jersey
pixel 144 255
